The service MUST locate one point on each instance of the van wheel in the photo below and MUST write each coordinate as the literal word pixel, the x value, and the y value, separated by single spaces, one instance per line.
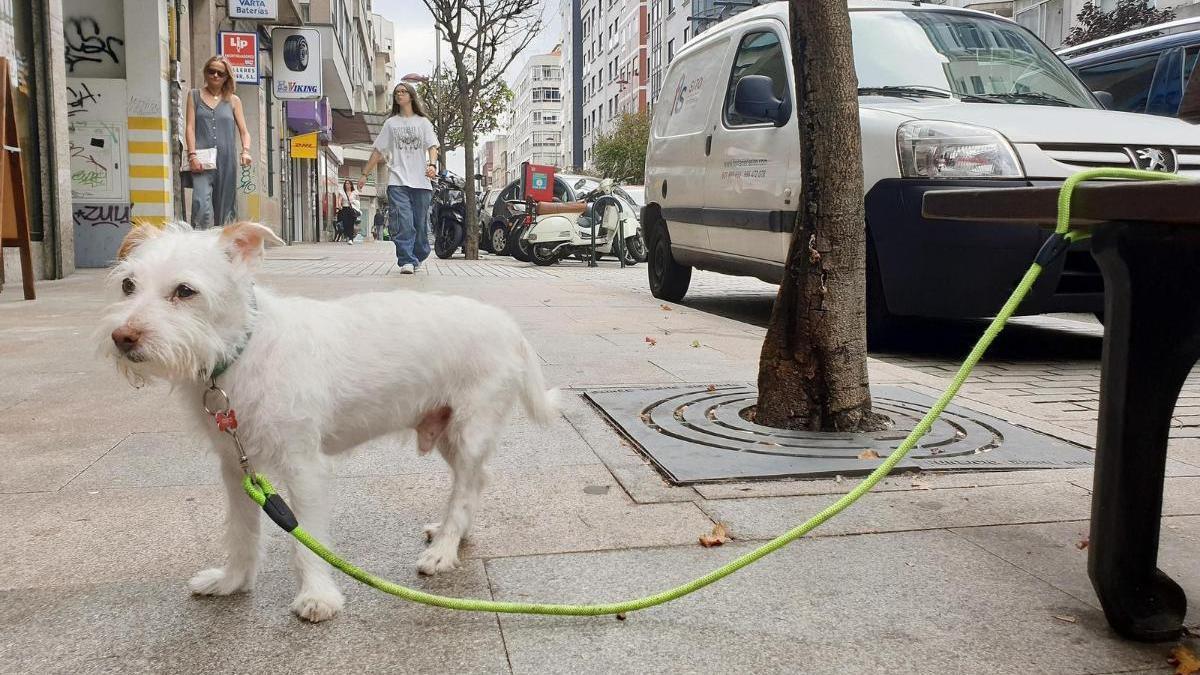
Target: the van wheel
pixel 881 324
pixel 668 279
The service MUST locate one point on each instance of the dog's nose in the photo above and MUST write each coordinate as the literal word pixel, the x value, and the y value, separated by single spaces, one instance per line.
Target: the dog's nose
pixel 126 338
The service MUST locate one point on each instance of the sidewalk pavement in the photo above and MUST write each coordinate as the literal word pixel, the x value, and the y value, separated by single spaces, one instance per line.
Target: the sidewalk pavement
pixel 110 503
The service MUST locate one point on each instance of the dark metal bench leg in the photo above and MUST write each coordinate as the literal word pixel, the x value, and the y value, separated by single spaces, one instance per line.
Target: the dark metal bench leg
pixel 1151 341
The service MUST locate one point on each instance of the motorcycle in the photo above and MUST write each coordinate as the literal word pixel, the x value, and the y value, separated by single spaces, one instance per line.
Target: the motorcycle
pixel 601 224
pixel 448 214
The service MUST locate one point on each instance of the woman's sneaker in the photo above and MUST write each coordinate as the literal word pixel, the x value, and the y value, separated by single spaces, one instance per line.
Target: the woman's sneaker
pixel 406 268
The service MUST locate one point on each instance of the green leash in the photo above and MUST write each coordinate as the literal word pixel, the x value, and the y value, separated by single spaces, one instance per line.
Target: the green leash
pixel 261 491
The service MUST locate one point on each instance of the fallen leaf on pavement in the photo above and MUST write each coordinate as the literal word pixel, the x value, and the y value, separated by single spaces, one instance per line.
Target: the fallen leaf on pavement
pixel 1082 543
pixel 645 417
pixel 695 343
pixel 868 454
pixel 667 308
pixel 651 341
pixel 719 535
pixel 712 388
pixel 711 414
pixel 1184 660
pixel 1066 619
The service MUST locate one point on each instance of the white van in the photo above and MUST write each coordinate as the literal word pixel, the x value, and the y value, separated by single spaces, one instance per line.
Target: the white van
pixel 949 98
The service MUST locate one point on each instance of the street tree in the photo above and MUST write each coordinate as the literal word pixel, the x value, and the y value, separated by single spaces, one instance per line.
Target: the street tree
pixel 484 38
pixel 440 93
pixel 1095 23
pixel 813 368
pixel 621 155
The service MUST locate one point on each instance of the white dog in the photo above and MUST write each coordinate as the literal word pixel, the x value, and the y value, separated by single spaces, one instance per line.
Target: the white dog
pixel 301 392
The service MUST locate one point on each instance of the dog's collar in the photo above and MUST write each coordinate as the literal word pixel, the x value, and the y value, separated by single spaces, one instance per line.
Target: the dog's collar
pixel 225 365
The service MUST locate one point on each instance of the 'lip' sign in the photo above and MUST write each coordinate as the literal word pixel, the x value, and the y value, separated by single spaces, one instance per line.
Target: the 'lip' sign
pixel 241 49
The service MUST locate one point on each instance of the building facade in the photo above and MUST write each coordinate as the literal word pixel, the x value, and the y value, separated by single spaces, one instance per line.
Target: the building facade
pixel 101 92
pixel 535 134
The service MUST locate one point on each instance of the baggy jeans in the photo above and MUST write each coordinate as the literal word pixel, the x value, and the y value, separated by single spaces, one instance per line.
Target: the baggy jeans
pixel 408 224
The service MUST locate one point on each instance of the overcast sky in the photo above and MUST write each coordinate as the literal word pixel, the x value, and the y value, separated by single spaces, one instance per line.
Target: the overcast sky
pixel 415 43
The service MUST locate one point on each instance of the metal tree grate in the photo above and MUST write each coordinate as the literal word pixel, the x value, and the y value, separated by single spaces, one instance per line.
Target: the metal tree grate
pixel 697 434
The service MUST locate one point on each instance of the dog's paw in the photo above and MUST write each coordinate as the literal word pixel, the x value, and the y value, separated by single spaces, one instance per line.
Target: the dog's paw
pixel 432 530
pixel 436 559
pixel 317 606
pixel 218 581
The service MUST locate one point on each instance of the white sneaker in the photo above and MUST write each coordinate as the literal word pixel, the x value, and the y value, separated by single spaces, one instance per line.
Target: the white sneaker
pixel 407 268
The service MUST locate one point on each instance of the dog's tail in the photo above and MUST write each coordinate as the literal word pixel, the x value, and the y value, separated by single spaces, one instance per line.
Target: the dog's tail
pixel 539 402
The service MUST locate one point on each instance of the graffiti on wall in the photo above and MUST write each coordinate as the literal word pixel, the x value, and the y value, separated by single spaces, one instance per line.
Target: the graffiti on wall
pixel 101 215
pixel 86 42
pixel 97 166
pixel 246 181
pixel 81 98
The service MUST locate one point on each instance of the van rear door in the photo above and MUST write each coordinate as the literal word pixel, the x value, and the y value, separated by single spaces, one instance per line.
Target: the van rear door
pixel 750 187
pixel 680 137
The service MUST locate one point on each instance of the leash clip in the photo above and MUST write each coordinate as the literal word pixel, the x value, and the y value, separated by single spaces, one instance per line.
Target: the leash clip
pixel 226 420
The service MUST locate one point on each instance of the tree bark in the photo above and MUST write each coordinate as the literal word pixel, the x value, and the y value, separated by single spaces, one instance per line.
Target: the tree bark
pixel 813 368
pixel 470 236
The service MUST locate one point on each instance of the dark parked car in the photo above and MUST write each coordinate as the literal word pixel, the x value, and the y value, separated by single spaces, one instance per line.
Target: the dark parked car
pixel 567 188
pixel 1148 70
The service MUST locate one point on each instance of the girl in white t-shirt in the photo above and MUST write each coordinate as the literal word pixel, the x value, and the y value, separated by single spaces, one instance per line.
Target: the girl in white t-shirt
pixel 408 144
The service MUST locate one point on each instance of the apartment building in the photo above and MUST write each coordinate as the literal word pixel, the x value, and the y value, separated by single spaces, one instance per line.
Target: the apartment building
pixel 535 134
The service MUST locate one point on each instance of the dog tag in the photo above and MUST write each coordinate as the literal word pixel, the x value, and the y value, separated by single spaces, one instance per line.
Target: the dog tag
pixel 226 420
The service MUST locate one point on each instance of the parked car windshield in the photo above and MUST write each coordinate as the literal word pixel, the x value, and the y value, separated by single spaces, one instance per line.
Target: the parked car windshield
pixel 973 57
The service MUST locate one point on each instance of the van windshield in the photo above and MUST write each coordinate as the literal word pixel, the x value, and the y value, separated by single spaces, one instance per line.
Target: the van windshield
pixel 976 58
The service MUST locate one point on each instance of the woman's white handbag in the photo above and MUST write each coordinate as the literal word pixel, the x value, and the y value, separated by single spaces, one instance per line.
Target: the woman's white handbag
pixel 207 158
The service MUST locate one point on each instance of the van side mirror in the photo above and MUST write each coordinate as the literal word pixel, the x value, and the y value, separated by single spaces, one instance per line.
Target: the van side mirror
pixel 1105 98
pixel 755 99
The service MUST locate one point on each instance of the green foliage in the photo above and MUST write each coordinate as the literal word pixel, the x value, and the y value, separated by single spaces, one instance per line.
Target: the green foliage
pixel 621 155
pixel 1094 23
pixel 442 97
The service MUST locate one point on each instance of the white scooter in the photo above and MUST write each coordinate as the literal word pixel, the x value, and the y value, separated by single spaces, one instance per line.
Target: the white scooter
pixel 565 229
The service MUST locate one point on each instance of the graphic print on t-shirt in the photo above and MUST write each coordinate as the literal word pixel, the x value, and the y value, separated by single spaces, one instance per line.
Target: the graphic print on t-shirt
pixel 409 138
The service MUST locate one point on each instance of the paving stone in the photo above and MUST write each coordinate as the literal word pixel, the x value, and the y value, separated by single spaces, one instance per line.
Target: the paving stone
pixel 883 603
pixel 47 461
pixel 1052 553
pixel 149 625
pixel 768 517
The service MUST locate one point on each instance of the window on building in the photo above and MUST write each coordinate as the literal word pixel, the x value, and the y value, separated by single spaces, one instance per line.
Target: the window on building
pixel 670 7
pixel 758 54
pixel 686 31
pixel 1045 19
pixel 670 51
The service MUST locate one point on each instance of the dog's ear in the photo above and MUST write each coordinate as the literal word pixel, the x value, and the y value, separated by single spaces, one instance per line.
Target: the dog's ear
pixel 138 235
pixel 245 240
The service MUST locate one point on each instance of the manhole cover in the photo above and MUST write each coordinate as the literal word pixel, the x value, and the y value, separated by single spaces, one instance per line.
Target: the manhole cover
pixel 697 434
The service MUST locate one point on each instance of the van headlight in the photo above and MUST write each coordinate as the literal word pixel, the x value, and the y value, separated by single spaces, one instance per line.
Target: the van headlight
pixel 931 149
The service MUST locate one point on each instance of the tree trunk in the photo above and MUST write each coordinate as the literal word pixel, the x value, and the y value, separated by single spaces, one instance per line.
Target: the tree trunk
pixel 471 236
pixel 813 369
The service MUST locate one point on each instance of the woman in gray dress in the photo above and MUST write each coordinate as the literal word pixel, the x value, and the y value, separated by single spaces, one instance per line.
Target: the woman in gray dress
pixel 214 120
